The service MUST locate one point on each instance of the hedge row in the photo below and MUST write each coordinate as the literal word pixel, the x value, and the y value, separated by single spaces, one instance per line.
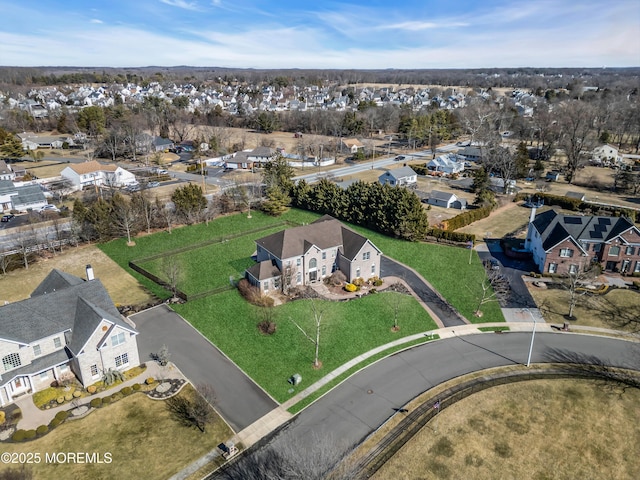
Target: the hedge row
pixel 447 235
pixel 577 205
pixel 467 217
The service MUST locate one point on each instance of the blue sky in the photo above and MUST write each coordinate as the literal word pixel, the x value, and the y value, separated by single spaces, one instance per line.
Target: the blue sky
pixel 321 34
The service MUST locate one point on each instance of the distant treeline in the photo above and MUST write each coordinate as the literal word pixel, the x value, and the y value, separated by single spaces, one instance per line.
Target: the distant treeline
pixel 483 78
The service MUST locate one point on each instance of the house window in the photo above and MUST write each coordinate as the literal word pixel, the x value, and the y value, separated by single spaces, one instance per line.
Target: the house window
pixel 573 269
pixel 44 376
pixel 637 269
pixel 11 361
pixel 373 268
pixel 553 267
pixel 117 339
pixel 366 255
pixel 586 246
pixel 614 251
pixel 358 272
pixel 37 350
pixel 265 286
pixel 630 251
pixel 324 270
pixel 299 262
pixel 94 370
pixel 566 252
pixel 57 343
pixel 333 252
pixel 64 368
pixel 299 278
pixel 313 263
pixel 122 360
pixel 324 255
pixel 597 247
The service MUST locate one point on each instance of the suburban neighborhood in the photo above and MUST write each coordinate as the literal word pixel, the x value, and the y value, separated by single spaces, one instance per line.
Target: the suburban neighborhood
pixel 230 277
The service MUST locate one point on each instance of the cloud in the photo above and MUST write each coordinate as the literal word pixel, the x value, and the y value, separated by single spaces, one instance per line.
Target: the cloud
pixel 95 20
pixel 181 4
pixel 415 26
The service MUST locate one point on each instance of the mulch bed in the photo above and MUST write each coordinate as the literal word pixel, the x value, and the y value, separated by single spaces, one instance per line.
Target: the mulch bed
pixel 168 390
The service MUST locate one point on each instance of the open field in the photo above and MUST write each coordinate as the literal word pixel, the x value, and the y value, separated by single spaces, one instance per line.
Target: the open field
pixel 605 311
pixel 141 436
pixel 543 429
pixel 122 287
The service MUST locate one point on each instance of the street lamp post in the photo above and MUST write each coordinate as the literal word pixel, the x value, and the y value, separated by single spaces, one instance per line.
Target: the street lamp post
pixel 533 334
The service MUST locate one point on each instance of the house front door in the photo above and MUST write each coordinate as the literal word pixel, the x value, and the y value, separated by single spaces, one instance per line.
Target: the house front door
pixel 313 276
pixel 611 266
pixel 625 266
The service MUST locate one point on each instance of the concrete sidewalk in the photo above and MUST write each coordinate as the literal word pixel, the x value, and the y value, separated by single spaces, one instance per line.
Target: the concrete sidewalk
pixel 33 417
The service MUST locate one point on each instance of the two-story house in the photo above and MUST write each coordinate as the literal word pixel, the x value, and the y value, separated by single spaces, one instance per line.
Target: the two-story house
pixel 94 173
pixel 307 254
pixel 565 244
pixel 69 326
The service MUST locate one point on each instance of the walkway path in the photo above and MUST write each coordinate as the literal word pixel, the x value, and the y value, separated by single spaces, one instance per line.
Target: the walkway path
pixel 33 417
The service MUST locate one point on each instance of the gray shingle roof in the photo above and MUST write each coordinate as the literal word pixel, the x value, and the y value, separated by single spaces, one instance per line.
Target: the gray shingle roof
pixel 399 173
pixel 264 270
pixel 444 196
pixel 56 280
pixel 73 309
pixel 554 228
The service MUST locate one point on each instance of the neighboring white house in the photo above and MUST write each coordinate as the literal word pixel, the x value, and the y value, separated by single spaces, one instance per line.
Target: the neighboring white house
pixel 399 177
pixel 6 173
pixel 448 164
pixel 353 144
pixel 471 152
pixel 606 153
pixel 94 173
pixel 21 198
pixel 446 200
pixel 68 326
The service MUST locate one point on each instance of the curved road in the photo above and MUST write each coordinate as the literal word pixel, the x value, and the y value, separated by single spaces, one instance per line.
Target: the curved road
pixel 448 315
pixel 347 414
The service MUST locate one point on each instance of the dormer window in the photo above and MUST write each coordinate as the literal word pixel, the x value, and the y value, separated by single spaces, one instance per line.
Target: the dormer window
pixel 117 339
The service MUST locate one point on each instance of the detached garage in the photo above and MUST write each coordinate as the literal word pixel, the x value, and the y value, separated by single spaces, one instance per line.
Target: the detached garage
pixel 446 200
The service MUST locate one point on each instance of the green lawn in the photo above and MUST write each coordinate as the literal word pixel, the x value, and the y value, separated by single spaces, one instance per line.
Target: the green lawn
pixel 349 329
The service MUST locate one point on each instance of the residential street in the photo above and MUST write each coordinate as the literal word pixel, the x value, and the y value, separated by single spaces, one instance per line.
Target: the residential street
pixel 239 400
pixel 347 414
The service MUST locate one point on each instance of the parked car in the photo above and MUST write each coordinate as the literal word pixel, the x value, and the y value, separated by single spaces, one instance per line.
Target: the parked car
pixel 399 158
pixel 7 217
pixel 49 208
pixel 153 184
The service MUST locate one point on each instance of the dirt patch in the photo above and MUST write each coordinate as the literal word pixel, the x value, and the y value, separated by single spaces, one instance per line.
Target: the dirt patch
pixel 122 287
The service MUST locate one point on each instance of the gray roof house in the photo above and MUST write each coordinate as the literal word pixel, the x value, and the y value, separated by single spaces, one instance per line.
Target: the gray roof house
pixel 20 198
pixel 564 244
pixel 446 200
pixel 307 254
pixel 69 326
pixel 399 177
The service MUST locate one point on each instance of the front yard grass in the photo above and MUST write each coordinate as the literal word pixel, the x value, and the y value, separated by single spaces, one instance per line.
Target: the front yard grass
pixel 142 437
pixel 348 330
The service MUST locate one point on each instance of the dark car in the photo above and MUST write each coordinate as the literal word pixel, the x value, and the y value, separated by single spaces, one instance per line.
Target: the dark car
pixel 399 158
pixel 7 217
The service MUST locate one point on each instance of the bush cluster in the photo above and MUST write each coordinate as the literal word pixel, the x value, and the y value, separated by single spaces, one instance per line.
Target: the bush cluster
pixel 375 281
pixel 60 400
pixel 96 402
pixel 18 435
pixel 126 391
pixel 68 397
pixel 267 327
pixel 54 423
pixel 578 205
pixel 41 430
pixel 106 400
pixel 91 389
pixel 136 386
pixel 358 282
pixel 350 287
pixel 62 415
pixel 149 380
pixel 252 294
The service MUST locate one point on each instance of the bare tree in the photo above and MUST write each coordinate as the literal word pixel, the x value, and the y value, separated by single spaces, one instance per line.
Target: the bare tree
pixel 124 217
pixel 173 272
pixel 24 243
pixel 144 207
pixel 167 213
pixel 574 283
pixel 318 308
pixel 5 262
pixel 196 411
pixel 576 121
pixel 494 287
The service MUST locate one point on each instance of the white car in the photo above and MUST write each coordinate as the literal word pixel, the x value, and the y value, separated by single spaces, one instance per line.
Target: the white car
pixel 49 208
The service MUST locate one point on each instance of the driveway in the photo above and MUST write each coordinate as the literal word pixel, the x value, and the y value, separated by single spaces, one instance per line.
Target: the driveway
pixel 240 400
pixel 513 270
pixel 427 294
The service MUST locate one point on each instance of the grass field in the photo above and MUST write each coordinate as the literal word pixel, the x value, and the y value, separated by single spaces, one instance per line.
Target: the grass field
pixel 143 439
pixel 348 329
pixel 543 429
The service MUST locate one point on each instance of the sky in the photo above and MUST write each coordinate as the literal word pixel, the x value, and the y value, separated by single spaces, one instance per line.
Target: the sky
pixel 349 34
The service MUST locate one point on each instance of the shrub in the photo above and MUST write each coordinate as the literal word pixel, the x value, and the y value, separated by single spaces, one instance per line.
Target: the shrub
pixel 136 386
pixel 96 402
pixel 636 284
pixel 249 292
pixel 91 389
pixel 62 415
pixel 337 278
pixel 358 282
pixel 266 327
pixel 2 417
pixel 18 435
pixel 106 400
pixel 446 235
pixel 41 430
pixel 126 391
pixel 467 217
pixel 149 380
pixel 68 397
pixel 350 287
pixel 264 301
pixel 77 393
pixel 30 434
pixel 54 423
pixel 60 400
pixel 16 414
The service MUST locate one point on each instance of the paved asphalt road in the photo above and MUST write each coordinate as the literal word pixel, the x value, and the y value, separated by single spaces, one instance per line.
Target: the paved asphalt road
pixel 346 415
pixel 441 308
pixel 239 400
